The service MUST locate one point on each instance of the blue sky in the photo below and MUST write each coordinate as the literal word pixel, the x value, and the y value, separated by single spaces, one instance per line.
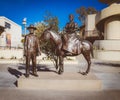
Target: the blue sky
pixel 34 10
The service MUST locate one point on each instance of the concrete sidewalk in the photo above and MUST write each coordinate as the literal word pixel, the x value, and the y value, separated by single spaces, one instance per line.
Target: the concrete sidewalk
pixel 17 94
pixel 19 61
pixel 107 73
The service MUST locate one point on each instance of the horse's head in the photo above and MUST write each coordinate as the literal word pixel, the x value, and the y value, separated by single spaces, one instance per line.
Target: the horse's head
pixel 52 36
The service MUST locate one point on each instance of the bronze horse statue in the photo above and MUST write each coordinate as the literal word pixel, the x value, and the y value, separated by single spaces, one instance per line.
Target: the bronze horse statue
pixel 80 47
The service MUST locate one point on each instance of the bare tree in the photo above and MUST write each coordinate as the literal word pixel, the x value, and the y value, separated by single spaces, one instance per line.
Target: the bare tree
pixel 52 21
pixel 46 46
pixel 83 12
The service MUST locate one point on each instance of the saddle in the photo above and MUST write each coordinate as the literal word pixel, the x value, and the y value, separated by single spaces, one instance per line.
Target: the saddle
pixel 71 44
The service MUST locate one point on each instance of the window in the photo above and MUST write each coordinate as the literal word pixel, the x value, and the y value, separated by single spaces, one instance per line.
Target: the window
pixel 7 25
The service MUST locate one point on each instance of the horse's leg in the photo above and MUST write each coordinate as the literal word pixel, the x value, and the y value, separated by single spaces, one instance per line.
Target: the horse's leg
pixel 61 65
pixel 56 62
pixel 86 54
pixel 60 54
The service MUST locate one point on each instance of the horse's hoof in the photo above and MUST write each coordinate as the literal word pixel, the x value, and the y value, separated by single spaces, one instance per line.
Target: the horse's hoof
pixel 83 73
pixel 56 67
pixel 27 75
pixel 36 75
pixel 60 72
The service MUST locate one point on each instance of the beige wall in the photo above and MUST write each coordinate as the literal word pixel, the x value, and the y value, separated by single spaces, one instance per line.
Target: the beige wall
pixel 3 39
pixel 113 9
pixel 112 28
pixel 11 53
pixel 109 19
pixel 107 55
pixel 18 53
pixel 15 31
pixel 107 45
pixel 90 22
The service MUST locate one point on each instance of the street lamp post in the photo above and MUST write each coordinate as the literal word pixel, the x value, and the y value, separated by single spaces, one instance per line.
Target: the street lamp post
pixel 24 22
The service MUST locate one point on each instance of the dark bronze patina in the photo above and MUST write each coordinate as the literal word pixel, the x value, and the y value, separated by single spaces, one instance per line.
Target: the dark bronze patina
pixel 31 50
pixel 69 36
pixel 70 43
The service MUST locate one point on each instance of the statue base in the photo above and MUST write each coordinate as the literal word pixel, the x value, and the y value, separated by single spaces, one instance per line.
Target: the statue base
pixel 66 81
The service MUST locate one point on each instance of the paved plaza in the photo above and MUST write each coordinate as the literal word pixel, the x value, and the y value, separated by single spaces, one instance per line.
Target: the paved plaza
pixel 108 73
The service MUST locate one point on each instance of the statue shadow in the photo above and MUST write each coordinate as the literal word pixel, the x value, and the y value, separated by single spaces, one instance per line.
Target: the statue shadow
pixel 21 67
pixel 108 64
pixel 14 72
pixel 17 73
pixel 40 68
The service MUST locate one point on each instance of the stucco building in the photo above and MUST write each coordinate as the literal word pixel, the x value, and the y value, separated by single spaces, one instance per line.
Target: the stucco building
pixel 12 34
pixel 107 22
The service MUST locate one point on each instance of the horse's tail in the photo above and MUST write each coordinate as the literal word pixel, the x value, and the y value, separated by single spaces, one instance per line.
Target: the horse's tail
pixel 92 52
pixel 91 49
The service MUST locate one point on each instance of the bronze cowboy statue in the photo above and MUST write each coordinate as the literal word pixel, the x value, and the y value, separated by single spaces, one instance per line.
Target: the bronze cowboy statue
pixel 70 36
pixel 31 50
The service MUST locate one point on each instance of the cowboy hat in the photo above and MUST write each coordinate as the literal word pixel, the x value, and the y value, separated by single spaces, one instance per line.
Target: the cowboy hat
pixel 32 26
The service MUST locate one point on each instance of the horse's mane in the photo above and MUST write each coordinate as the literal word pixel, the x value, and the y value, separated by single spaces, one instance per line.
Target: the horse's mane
pixel 54 34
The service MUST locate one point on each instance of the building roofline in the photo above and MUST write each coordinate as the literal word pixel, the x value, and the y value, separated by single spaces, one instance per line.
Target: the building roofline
pixel 109 1
pixel 9 20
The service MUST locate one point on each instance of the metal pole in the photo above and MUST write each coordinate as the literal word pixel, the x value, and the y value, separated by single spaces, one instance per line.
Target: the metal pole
pixel 25 28
pixel 24 22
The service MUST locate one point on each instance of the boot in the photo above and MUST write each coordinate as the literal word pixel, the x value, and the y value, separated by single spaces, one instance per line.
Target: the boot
pixel 27 73
pixel 35 72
